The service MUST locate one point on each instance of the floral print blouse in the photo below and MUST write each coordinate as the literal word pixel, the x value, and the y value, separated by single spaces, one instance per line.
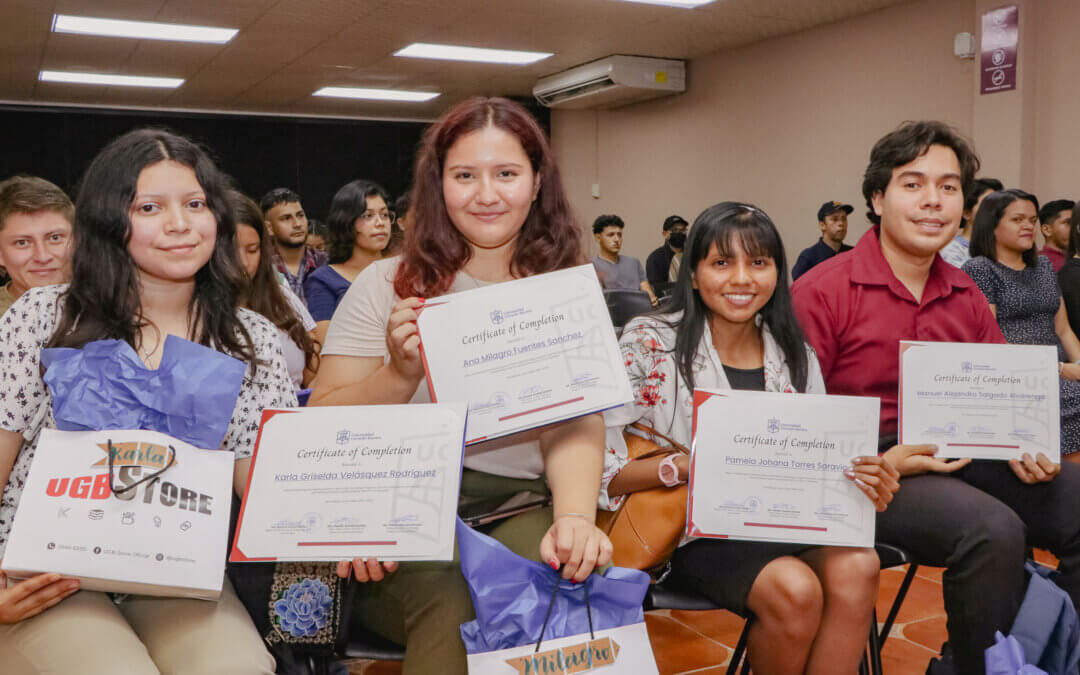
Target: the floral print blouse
pixel 662 399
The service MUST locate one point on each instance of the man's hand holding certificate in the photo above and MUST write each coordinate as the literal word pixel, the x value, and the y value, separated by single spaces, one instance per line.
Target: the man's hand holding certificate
pixel 525 353
pixel 984 401
pixel 771 467
pixel 343 482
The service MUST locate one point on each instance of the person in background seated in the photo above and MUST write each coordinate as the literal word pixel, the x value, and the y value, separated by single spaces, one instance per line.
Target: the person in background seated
pixel 1022 290
pixel 729 325
pixel 832 221
pixel 266 295
pixel 662 265
pixel 488 206
pixel 35 236
pixel 287 222
pixel 154 256
pixel 359 226
pixel 617 272
pixel 1054 218
pixel 316 238
pixel 402 222
pixel 956 252
pixel 1069 274
pixel 976 519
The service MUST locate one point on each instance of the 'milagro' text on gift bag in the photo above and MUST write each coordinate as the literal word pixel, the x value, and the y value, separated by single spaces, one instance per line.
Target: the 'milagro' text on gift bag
pixel 124 511
pixel 531 622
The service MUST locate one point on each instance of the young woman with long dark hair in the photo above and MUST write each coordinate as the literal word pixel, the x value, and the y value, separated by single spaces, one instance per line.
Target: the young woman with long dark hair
pixel 488 206
pixel 264 294
pixel 359 228
pixel 1022 289
pixel 154 255
pixel 729 324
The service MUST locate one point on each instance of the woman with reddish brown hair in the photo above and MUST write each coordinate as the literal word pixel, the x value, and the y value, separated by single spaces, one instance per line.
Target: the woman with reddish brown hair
pixel 487 206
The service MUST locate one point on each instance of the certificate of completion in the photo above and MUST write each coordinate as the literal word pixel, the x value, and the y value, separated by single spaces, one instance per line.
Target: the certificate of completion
pixel 344 482
pixel 524 353
pixel 984 401
pixel 769 467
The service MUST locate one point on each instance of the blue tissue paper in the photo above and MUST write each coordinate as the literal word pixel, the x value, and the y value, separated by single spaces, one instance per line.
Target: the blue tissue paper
pixel 105 385
pixel 511 596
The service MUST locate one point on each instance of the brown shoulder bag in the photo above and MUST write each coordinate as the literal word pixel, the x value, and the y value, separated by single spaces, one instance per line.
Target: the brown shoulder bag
pixel 648 524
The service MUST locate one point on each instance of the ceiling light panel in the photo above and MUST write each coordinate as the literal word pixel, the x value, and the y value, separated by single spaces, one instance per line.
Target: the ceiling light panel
pixel 142 30
pixel 424 50
pixel 110 80
pixel 377 94
pixel 685 4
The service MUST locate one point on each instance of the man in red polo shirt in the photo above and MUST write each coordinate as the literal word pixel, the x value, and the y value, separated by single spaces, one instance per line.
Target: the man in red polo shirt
pixel 970 517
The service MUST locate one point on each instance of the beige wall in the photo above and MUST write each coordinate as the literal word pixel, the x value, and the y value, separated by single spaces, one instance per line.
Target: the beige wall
pixel 785 124
pixel 1056 150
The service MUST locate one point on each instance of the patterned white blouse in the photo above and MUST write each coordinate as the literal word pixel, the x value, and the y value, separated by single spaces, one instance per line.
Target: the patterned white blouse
pixel 662 399
pixel 26 404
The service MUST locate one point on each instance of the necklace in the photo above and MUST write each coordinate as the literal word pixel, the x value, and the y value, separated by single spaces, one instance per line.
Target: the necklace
pixel 147 355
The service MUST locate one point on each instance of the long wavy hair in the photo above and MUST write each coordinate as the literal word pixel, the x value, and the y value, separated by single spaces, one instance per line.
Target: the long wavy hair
pixel 722 225
pixel 435 250
pixel 348 204
pixel 104 299
pixel 262 293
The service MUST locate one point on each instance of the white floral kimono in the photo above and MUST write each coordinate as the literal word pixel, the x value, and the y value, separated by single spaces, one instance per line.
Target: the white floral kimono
pixel 663 401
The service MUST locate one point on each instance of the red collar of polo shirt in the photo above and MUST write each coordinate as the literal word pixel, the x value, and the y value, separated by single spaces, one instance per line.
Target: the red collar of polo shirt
pixel 870 267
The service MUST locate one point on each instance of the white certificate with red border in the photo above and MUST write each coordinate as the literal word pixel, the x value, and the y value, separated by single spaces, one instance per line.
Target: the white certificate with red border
pixel 769 467
pixel 984 401
pixel 524 353
pixel 341 482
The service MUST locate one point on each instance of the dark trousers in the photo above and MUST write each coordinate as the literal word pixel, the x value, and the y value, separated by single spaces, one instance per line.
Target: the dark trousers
pixel 977 524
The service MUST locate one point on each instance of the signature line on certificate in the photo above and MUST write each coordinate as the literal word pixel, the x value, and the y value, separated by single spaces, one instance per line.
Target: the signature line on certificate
pixel 981 445
pixel 543 408
pixel 346 543
pixel 788 527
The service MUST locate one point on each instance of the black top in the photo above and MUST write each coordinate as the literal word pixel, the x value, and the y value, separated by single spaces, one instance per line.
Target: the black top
pixel 752 379
pixel 1069 281
pixel 816 254
pixel 657 265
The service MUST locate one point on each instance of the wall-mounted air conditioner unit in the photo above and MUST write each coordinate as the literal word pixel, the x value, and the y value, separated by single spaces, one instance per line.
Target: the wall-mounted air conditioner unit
pixel 612 81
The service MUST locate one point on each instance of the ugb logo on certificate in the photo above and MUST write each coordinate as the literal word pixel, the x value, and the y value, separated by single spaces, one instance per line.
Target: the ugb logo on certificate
pixel 769 467
pixel 353 481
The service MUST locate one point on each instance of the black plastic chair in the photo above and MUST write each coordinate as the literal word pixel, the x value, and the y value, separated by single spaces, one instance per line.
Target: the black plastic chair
pixel 624 305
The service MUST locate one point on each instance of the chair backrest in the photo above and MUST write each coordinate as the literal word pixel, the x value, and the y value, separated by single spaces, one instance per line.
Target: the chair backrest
pixel 624 305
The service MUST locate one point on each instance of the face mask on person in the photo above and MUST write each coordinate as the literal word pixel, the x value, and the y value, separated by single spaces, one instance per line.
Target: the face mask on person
pixel 677 239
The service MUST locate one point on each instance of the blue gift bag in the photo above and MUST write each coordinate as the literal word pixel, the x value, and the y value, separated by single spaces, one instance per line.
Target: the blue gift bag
pixel 518 600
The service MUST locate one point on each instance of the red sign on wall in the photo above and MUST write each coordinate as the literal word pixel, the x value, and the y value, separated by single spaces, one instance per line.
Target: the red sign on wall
pixel 1000 39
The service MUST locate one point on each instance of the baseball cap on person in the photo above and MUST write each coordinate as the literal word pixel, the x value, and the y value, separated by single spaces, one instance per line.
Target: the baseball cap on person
pixel 832 207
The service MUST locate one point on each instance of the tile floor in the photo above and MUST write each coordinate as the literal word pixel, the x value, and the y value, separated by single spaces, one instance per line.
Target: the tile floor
pixel 701 642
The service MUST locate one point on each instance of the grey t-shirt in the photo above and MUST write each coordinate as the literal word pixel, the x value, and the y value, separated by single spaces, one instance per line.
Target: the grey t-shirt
pixel 627 274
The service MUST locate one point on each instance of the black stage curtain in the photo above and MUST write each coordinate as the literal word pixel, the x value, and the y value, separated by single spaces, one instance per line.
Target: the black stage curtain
pixel 314 157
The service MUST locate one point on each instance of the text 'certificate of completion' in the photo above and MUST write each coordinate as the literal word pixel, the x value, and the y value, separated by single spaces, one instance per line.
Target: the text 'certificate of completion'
pixel 769 467
pixel 524 353
pixel 984 401
pixel 344 482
